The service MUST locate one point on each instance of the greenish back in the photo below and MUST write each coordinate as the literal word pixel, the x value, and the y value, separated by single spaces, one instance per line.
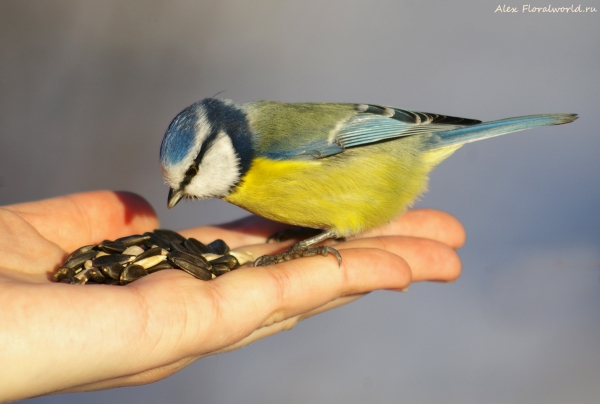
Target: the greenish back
pixel 283 127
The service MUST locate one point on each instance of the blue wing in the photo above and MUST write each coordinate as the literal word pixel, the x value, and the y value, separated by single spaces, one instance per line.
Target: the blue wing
pixel 372 124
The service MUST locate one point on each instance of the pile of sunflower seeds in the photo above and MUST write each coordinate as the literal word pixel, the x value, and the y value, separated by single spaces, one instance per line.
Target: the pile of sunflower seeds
pixel 127 259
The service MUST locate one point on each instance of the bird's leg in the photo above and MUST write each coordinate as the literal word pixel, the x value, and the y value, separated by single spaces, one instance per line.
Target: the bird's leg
pixel 303 248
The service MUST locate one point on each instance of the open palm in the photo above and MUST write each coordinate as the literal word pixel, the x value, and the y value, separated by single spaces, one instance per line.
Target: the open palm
pixel 58 337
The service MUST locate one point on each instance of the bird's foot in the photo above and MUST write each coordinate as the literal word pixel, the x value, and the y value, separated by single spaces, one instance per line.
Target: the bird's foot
pixel 297 251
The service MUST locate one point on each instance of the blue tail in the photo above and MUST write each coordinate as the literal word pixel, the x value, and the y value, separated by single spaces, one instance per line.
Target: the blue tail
pixel 484 130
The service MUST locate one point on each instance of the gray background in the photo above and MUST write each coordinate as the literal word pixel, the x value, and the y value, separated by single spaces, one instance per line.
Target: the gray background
pixel 88 88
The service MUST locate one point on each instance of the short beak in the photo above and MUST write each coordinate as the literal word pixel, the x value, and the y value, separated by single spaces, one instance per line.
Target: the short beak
pixel 174 197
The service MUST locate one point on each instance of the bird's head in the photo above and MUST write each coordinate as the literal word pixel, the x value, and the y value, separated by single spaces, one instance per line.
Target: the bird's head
pixel 206 150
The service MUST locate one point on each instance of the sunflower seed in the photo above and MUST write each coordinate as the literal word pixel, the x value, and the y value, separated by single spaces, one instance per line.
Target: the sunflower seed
pixel 129 258
pixel 228 260
pixel 149 244
pixel 219 247
pixel 170 235
pixel 191 268
pixel 112 271
pixel 151 252
pixel 80 251
pixel 132 273
pixel 82 277
pixel 112 246
pixel 151 261
pixel 196 246
pixel 133 250
pixel 220 269
pixel 63 273
pixel 197 260
pixel 160 266
pixel 155 239
pixel 242 257
pixel 135 239
pixel 77 262
pixel 112 259
pixel 179 247
pixel 94 274
pixel 211 256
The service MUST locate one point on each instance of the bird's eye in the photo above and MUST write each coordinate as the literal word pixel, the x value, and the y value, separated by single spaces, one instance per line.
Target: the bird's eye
pixel 192 171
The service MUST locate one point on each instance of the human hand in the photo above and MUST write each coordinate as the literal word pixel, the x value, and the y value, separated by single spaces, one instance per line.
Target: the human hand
pixel 59 338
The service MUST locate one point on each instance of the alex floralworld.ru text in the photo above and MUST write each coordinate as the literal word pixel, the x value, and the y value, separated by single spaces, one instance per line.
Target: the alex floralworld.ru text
pixel 528 8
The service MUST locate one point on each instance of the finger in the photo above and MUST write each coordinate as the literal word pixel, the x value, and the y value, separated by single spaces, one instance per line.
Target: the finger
pixel 429 260
pixel 196 318
pixel 88 218
pixel 288 323
pixel 425 223
pixel 275 293
pixel 24 251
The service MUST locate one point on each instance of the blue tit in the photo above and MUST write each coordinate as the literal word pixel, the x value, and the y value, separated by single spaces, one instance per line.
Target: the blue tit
pixel 339 168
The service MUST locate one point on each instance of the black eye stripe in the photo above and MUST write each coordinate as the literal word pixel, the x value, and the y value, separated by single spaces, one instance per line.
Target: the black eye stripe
pixel 207 144
pixel 204 147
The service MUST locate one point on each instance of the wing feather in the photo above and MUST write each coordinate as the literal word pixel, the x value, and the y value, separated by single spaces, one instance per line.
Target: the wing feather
pixel 375 123
pixel 369 124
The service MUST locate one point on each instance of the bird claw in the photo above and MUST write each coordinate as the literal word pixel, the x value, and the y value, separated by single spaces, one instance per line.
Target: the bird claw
pixel 295 252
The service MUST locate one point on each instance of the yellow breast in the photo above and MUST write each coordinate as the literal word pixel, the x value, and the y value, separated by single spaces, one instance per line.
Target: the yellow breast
pixel 350 192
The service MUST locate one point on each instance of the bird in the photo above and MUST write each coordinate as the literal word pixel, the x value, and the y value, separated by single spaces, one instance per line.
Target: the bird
pixel 338 168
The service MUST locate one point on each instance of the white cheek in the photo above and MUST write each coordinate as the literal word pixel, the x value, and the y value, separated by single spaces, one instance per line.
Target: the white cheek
pixel 218 171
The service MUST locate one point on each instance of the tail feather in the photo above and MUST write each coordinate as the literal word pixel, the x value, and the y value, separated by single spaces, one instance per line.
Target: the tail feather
pixel 484 130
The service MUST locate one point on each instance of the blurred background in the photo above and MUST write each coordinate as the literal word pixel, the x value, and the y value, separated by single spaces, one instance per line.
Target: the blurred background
pixel 88 88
